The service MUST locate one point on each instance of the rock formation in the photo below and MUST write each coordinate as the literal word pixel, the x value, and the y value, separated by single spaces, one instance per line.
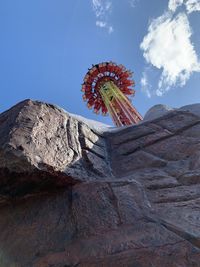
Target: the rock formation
pixel 74 196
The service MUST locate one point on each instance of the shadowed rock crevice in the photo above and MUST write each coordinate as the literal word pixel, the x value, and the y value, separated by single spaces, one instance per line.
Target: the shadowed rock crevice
pixel 76 194
pixel 181 232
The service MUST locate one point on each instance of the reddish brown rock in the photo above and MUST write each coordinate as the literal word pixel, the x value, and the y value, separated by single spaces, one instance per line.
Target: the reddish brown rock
pixel 73 196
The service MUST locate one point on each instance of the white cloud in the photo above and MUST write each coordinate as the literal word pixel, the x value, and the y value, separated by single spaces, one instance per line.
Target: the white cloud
pixel 101 24
pixel 168 47
pixel 102 9
pixel 191 5
pixel 174 4
pixel 110 29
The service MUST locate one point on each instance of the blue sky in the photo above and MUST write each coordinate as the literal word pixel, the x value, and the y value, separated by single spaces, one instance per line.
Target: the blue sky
pixel 47 46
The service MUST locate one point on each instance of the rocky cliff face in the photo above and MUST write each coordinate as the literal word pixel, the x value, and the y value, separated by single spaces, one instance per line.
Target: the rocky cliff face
pixel 73 196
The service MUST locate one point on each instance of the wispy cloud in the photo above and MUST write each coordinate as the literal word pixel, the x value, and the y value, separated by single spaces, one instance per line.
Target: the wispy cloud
pixel 168 47
pixel 103 24
pixel 145 85
pixel 133 3
pixel 102 9
pixel 191 5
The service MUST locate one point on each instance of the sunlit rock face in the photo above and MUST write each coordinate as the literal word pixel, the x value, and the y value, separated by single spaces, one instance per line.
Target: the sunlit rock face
pixel 75 194
pixel 156 112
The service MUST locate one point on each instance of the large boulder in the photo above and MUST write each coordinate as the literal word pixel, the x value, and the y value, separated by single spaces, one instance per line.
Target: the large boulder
pixel 72 194
pixel 156 112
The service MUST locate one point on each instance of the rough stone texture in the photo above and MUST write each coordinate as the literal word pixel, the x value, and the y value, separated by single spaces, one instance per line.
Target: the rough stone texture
pixel 71 196
pixel 156 112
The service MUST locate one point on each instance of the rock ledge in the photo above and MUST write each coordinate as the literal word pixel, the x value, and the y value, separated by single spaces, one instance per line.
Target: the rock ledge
pixel 71 195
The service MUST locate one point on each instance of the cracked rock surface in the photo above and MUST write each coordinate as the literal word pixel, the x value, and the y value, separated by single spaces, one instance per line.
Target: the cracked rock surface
pixel 72 196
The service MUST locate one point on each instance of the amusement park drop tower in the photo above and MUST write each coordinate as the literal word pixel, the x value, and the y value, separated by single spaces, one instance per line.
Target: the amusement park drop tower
pixel 106 87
